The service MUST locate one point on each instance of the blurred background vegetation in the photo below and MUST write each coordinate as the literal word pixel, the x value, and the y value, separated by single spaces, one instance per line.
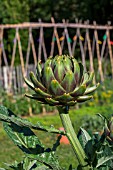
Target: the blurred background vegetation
pixel 16 11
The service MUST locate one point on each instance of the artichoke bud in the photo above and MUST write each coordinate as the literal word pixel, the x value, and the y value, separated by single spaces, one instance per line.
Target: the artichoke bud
pixel 108 130
pixel 60 81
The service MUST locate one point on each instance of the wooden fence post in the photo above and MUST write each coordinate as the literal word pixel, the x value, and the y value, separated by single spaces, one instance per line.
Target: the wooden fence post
pixel 90 51
pixel 33 47
pixel 31 43
pixel 81 47
pixel 68 38
pixel 1 37
pixel 41 43
pixel 12 60
pixel 2 48
pixel 21 55
pixel 28 50
pixel 57 37
pixel 52 44
pixel 110 50
pixel 103 46
pixel 98 53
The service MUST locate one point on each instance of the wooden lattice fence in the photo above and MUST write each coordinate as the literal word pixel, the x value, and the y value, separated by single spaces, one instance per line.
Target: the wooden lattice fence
pixel 15 83
pixel 82 40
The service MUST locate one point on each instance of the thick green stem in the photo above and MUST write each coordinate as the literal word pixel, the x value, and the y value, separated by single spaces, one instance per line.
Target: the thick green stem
pixel 78 150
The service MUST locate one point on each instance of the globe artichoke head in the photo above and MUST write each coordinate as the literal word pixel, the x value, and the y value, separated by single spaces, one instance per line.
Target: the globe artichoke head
pixel 108 130
pixel 60 81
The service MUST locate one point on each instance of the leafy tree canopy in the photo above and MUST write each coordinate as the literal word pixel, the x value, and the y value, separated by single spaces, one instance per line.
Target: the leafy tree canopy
pixel 14 11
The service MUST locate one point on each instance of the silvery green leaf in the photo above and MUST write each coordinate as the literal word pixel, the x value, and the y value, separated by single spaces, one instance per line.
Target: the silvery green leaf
pixel 27 141
pixel 84 137
pixel 103 160
pixel 7 116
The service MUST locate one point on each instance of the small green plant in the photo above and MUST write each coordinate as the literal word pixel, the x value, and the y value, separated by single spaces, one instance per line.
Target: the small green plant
pixel 91 123
pixel 60 82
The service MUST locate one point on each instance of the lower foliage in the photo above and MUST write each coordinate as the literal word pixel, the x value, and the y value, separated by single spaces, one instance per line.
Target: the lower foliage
pixel 98 147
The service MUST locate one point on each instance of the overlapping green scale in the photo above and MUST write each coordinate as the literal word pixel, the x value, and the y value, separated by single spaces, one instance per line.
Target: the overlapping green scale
pixel 56 89
pixel 90 79
pixel 47 76
pixel 67 63
pixel 30 84
pixel 76 68
pixel 35 82
pixel 68 83
pixel 79 79
pixel 79 91
pixel 61 81
pixel 38 71
pixel 59 71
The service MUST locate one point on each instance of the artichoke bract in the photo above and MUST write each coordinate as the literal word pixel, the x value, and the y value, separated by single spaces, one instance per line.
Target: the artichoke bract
pixel 60 81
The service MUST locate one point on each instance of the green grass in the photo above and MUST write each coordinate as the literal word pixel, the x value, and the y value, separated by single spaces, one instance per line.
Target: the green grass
pixel 9 153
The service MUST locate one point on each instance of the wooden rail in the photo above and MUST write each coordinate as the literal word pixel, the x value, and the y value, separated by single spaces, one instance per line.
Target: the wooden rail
pixel 58 25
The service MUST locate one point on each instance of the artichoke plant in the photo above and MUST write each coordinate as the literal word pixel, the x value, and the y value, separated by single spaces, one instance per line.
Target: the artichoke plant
pixel 60 81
